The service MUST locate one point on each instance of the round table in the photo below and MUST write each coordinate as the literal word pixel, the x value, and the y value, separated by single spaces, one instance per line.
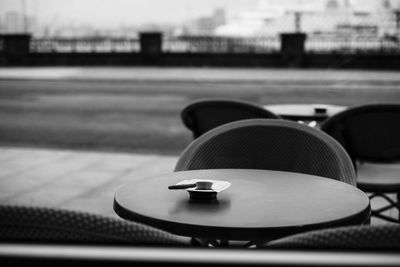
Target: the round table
pixel 306 112
pixel 259 205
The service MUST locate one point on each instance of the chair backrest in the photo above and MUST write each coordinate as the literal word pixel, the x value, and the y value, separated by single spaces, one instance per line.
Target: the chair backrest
pixel 368 133
pixel 48 225
pixel 203 115
pixel 269 144
pixel 384 236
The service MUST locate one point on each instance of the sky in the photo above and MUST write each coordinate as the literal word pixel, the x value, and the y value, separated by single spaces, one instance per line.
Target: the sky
pixel 113 13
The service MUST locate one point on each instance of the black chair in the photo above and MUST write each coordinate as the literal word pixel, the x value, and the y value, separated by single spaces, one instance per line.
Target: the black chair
pixel 203 115
pixel 373 237
pixel 48 225
pixel 371 136
pixel 269 144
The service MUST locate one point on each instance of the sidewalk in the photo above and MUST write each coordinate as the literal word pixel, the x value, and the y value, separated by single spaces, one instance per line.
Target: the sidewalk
pixel 195 74
pixel 74 180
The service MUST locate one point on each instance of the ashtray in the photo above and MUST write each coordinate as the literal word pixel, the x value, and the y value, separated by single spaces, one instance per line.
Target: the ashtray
pixel 320 109
pixel 203 189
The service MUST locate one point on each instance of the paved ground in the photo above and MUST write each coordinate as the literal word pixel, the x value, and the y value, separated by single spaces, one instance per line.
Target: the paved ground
pixel 74 180
pixel 138 109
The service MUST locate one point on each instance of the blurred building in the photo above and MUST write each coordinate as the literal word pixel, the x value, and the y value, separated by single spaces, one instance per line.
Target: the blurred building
pixel 251 22
pixel 16 22
pixel 337 18
pixel 205 25
pixel 13 22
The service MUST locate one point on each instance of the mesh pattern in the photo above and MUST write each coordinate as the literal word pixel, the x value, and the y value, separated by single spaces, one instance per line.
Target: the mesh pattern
pixel 350 237
pixel 52 225
pixel 368 132
pixel 203 115
pixel 272 145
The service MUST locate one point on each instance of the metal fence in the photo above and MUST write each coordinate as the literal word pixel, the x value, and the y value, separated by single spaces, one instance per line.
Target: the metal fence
pixel 210 44
pixel 352 45
pixel 84 45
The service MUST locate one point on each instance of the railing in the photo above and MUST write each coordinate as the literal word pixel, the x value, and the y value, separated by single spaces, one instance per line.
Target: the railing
pixel 290 50
pixel 352 45
pixel 200 44
pixel 84 45
pixel 181 44
pixel 195 44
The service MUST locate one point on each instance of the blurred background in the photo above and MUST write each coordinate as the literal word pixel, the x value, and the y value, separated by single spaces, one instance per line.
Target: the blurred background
pixel 115 74
pixel 125 18
pixel 329 24
pixel 79 78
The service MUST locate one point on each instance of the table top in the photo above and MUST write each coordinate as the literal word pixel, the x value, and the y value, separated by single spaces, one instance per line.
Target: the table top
pixel 259 204
pixel 305 111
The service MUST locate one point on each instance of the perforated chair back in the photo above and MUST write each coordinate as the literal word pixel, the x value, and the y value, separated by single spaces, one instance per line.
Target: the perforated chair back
pixel 269 144
pixel 384 236
pixel 47 225
pixel 368 133
pixel 205 114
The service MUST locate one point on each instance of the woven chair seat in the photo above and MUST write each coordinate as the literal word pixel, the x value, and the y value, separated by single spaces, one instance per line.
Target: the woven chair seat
pixel 39 224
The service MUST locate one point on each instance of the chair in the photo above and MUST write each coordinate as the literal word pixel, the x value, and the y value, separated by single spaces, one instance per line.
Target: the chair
pixel 371 136
pixel 269 144
pixel 47 225
pixel 203 115
pixel 376 237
